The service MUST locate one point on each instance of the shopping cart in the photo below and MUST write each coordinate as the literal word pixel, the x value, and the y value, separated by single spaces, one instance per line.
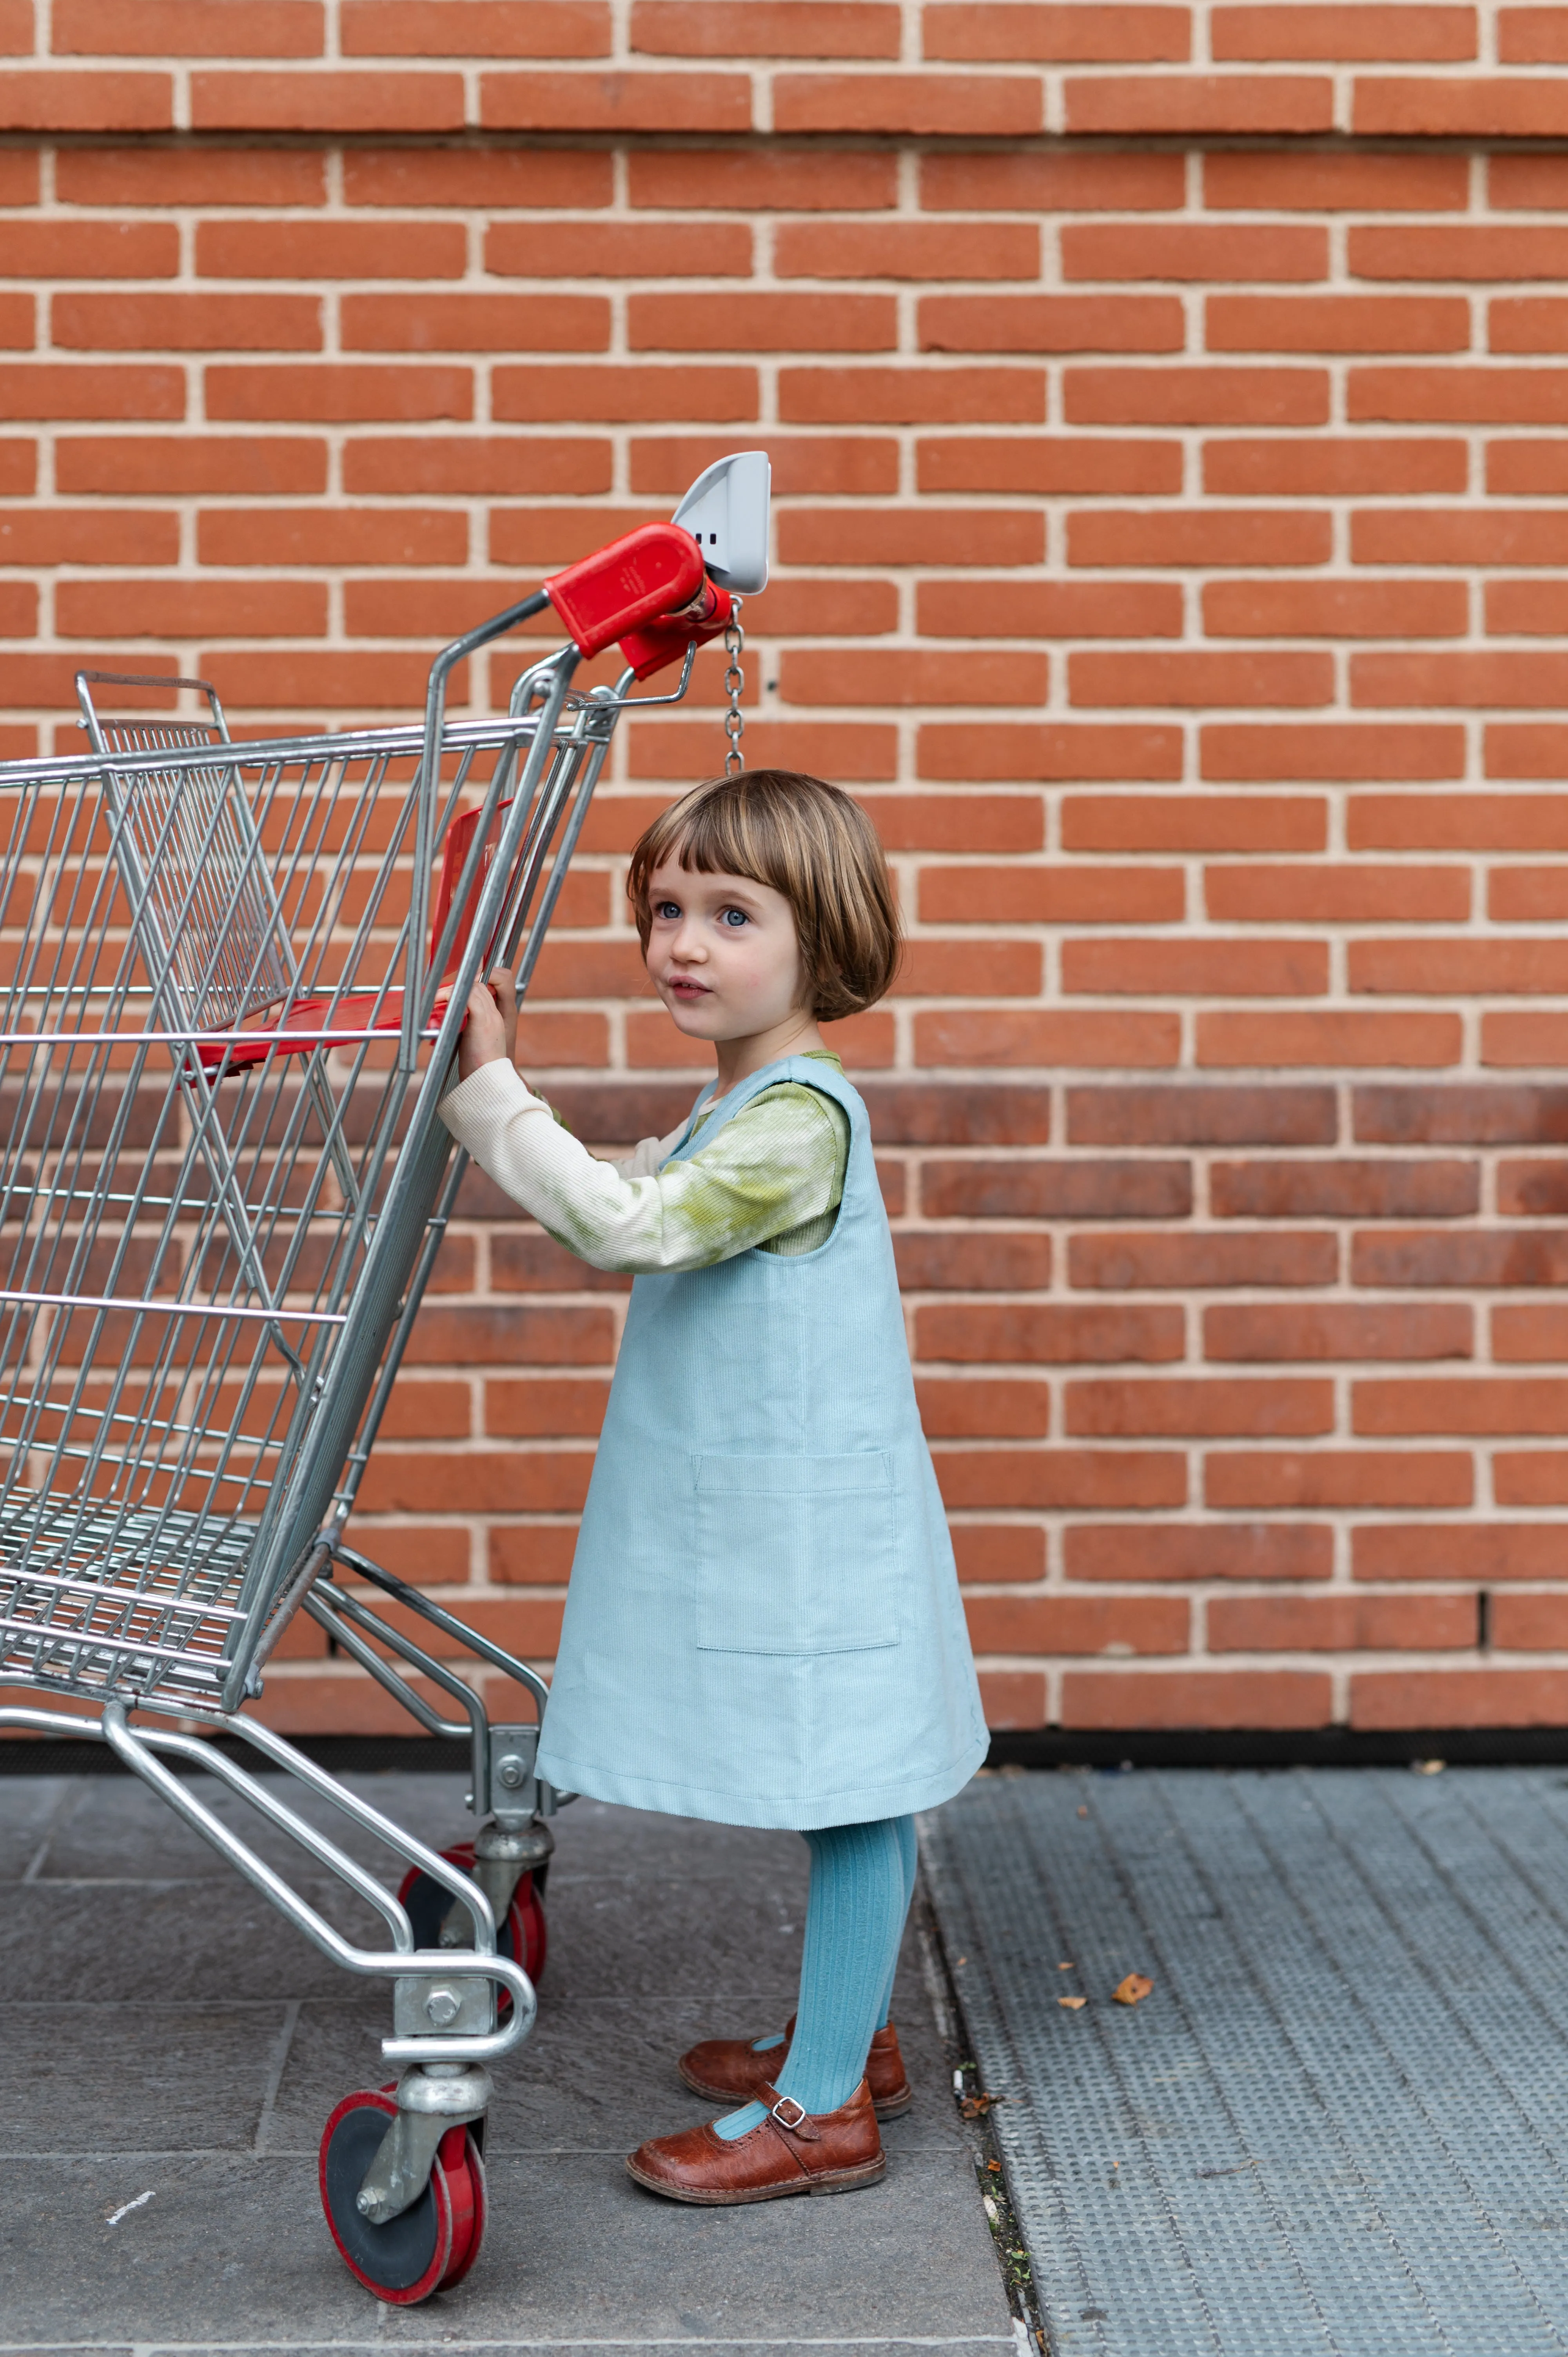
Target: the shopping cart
pixel 232 977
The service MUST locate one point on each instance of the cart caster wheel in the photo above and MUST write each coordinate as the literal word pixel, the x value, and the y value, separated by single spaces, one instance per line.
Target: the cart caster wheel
pixel 431 2246
pixel 522 1936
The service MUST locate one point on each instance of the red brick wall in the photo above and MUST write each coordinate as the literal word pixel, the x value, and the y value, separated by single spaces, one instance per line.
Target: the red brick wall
pixel 1169 415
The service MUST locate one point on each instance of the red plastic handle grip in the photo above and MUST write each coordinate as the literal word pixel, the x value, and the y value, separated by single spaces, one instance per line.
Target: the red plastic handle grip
pixel 653 571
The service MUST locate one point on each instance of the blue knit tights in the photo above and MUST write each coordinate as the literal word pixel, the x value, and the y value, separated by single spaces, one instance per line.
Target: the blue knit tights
pixel 863 1877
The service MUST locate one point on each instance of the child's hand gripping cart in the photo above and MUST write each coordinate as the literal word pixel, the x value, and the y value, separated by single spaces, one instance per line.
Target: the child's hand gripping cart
pixel 232 979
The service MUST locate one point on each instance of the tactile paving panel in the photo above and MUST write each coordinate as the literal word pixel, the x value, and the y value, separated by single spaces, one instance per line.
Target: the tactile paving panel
pixel 1339 2126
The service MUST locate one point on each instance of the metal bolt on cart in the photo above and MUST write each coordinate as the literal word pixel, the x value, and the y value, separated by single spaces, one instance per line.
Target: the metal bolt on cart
pixel 232 977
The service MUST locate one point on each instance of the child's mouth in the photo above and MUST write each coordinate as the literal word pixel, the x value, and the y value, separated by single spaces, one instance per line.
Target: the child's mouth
pixel 679 987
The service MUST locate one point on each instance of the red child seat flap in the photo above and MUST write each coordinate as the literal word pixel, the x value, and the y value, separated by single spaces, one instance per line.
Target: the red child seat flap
pixel 309 1023
pixel 304 1025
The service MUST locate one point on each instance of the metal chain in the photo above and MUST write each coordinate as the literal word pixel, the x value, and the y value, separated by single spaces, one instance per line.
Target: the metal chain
pixel 735 681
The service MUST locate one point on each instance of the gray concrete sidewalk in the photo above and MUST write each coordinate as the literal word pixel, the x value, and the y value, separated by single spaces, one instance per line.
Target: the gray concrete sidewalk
pixel 166 2033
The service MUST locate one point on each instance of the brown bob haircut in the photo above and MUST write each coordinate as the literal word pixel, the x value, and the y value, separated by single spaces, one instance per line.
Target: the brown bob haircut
pixel 809 841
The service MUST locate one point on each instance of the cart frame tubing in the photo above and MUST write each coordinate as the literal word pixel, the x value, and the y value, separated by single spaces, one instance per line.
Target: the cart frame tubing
pixel 137 1748
pixel 344 1617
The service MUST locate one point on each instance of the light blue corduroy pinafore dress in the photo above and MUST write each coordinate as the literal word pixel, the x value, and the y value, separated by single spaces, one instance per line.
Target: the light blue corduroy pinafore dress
pixel 764 1624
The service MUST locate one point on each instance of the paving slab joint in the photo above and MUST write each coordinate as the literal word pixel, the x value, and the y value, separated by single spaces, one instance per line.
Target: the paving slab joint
pixel 976 2102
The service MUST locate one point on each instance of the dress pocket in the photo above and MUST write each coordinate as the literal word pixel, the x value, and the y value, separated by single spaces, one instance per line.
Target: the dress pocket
pixel 796 1555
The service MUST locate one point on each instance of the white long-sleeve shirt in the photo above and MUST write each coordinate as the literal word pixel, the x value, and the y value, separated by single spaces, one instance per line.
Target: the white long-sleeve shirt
pixel 772 1176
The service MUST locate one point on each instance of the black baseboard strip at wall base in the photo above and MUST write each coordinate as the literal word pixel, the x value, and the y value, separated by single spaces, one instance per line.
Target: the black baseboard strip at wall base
pixel 1274 1746
pixel 1011 1749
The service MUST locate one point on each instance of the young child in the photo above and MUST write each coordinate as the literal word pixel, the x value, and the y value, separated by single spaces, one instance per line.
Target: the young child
pixel 764 1625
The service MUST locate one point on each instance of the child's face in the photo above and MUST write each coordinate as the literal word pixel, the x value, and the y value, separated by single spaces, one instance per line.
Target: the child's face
pixel 723 953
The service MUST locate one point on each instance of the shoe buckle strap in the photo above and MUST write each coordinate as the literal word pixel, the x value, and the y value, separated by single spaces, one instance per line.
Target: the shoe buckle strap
pixel 786 2113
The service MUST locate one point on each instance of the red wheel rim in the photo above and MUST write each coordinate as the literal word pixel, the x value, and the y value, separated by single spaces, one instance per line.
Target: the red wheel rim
pixel 524 1921
pixel 532 1946
pixel 441 2261
pixel 465 2174
pixel 460 1854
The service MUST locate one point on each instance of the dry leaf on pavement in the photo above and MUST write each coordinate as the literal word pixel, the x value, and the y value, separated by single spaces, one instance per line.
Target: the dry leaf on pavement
pixel 1073 2003
pixel 1131 1990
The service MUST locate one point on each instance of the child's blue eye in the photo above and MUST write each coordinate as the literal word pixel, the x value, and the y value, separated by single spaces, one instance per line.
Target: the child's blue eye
pixel 669 909
pixel 735 916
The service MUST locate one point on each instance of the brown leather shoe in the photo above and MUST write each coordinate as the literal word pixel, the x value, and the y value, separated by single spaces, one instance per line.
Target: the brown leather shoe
pixel 729 2070
pixel 791 2152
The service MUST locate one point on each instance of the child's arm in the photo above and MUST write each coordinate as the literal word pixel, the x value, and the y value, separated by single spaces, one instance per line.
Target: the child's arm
pixel 647 1156
pixel 773 1166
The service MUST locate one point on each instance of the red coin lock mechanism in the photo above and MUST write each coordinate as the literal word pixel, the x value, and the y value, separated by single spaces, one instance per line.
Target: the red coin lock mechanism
pixel 652 572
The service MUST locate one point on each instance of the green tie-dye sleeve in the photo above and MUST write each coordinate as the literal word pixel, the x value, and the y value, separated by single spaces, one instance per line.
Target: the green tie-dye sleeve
pixel 770 1178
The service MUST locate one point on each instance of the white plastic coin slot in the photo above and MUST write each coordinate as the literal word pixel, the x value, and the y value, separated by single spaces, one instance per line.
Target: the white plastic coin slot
pixel 726 512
